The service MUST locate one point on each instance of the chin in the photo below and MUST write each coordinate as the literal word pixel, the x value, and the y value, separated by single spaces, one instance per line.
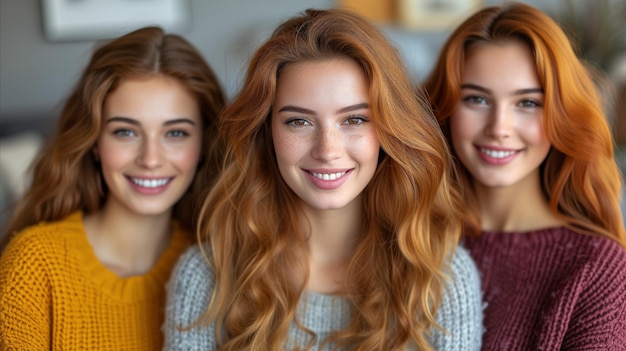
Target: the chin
pixel 153 211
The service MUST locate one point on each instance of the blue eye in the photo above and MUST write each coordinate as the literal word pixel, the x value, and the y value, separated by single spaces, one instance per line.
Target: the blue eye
pixel 123 132
pixel 177 133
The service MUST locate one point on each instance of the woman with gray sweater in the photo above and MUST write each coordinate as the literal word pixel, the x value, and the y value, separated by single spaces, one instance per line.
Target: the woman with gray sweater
pixel 333 224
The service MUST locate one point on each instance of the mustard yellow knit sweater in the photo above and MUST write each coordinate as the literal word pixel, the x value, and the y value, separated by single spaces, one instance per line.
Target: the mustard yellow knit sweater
pixel 56 295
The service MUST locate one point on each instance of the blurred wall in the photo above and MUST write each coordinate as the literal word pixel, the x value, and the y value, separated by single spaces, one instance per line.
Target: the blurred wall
pixel 36 75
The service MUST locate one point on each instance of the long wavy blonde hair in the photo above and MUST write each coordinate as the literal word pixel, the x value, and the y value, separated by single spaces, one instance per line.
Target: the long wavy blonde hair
pixel 251 220
pixel 65 174
pixel 580 177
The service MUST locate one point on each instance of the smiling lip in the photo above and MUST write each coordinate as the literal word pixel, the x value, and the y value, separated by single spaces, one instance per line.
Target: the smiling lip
pixel 328 179
pixel 497 155
pixel 149 186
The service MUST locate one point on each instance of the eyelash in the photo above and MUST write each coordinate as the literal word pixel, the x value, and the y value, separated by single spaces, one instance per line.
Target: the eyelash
pixel 533 102
pixel 180 133
pixel 479 100
pixel 124 132
pixel 473 99
pixel 359 118
pixel 297 122
pixel 127 133
pixel 302 122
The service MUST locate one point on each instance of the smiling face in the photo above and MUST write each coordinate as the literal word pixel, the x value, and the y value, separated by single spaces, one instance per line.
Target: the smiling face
pixel 150 144
pixel 325 142
pixel 497 128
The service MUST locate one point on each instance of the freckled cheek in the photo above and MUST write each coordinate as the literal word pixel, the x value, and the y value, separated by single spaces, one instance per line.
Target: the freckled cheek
pixel 289 147
pixel 364 148
pixel 362 142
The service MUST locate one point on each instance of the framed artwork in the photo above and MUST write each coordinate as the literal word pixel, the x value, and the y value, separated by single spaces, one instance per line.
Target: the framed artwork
pixel 65 20
pixel 435 14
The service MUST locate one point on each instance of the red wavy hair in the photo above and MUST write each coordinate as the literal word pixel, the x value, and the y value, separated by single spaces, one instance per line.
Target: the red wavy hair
pixel 65 174
pixel 252 221
pixel 580 177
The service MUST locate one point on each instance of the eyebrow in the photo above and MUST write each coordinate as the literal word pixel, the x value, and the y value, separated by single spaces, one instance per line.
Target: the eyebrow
pixel 137 123
pixel 516 92
pixel 292 108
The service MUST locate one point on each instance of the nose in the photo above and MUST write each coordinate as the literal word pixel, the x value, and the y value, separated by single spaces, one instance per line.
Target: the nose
pixel 151 154
pixel 500 123
pixel 328 144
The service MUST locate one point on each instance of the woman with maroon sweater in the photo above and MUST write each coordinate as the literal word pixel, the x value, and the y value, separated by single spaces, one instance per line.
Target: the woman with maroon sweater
pixel 535 155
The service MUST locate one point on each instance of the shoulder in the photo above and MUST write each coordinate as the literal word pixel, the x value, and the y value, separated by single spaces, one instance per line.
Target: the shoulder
pixel 603 259
pixel 30 262
pixel 44 238
pixel 598 253
pixel 192 279
pixel 600 246
pixel 189 292
pixel 461 310
pixel 463 284
pixel 193 264
pixel 463 268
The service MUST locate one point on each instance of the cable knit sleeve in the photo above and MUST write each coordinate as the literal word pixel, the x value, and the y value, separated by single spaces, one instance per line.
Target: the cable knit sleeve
pixel 188 293
pixel 25 294
pixel 461 312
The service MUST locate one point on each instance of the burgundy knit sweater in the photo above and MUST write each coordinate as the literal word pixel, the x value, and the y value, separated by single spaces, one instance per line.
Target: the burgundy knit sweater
pixel 551 289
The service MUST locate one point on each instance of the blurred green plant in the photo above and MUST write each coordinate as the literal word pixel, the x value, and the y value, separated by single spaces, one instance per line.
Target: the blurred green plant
pixel 597 29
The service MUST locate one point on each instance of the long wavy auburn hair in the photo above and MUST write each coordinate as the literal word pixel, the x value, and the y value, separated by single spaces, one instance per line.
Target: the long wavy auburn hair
pixel 580 177
pixel 252 222
pixel 66 177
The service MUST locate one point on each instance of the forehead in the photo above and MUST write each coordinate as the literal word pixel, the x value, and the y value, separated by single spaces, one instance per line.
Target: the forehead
pixel 155 97
pixel 324 64
pixel 501 63
pixel 330 80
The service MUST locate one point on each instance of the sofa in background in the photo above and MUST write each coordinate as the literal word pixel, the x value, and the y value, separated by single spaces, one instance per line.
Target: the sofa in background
pixel 20 140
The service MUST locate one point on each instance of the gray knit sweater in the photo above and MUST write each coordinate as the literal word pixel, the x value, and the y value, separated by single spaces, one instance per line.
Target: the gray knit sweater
pixel 192 282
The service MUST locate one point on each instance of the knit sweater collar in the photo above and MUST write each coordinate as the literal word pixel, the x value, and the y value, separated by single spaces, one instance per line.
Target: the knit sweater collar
pixel 133 288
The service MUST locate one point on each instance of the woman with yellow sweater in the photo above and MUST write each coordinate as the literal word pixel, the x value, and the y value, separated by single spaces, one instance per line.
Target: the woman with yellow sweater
pixel 89 248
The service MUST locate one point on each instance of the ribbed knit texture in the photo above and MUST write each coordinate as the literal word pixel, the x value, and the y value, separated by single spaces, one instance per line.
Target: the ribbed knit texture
pixel 551 289
pixel 56 295
pixel 192 283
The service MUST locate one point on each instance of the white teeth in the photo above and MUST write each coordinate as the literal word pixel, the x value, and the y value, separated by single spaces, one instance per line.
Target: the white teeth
pixel 328 176
pixel 496 153
pixel 150 183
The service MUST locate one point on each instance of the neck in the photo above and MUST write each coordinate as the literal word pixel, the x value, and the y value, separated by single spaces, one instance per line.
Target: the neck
pixel 126 243
pixel 519 207
pixel 334 235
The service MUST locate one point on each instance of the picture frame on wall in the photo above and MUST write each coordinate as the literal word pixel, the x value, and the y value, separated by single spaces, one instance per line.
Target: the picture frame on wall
pixel 70 20
pixel 435 15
